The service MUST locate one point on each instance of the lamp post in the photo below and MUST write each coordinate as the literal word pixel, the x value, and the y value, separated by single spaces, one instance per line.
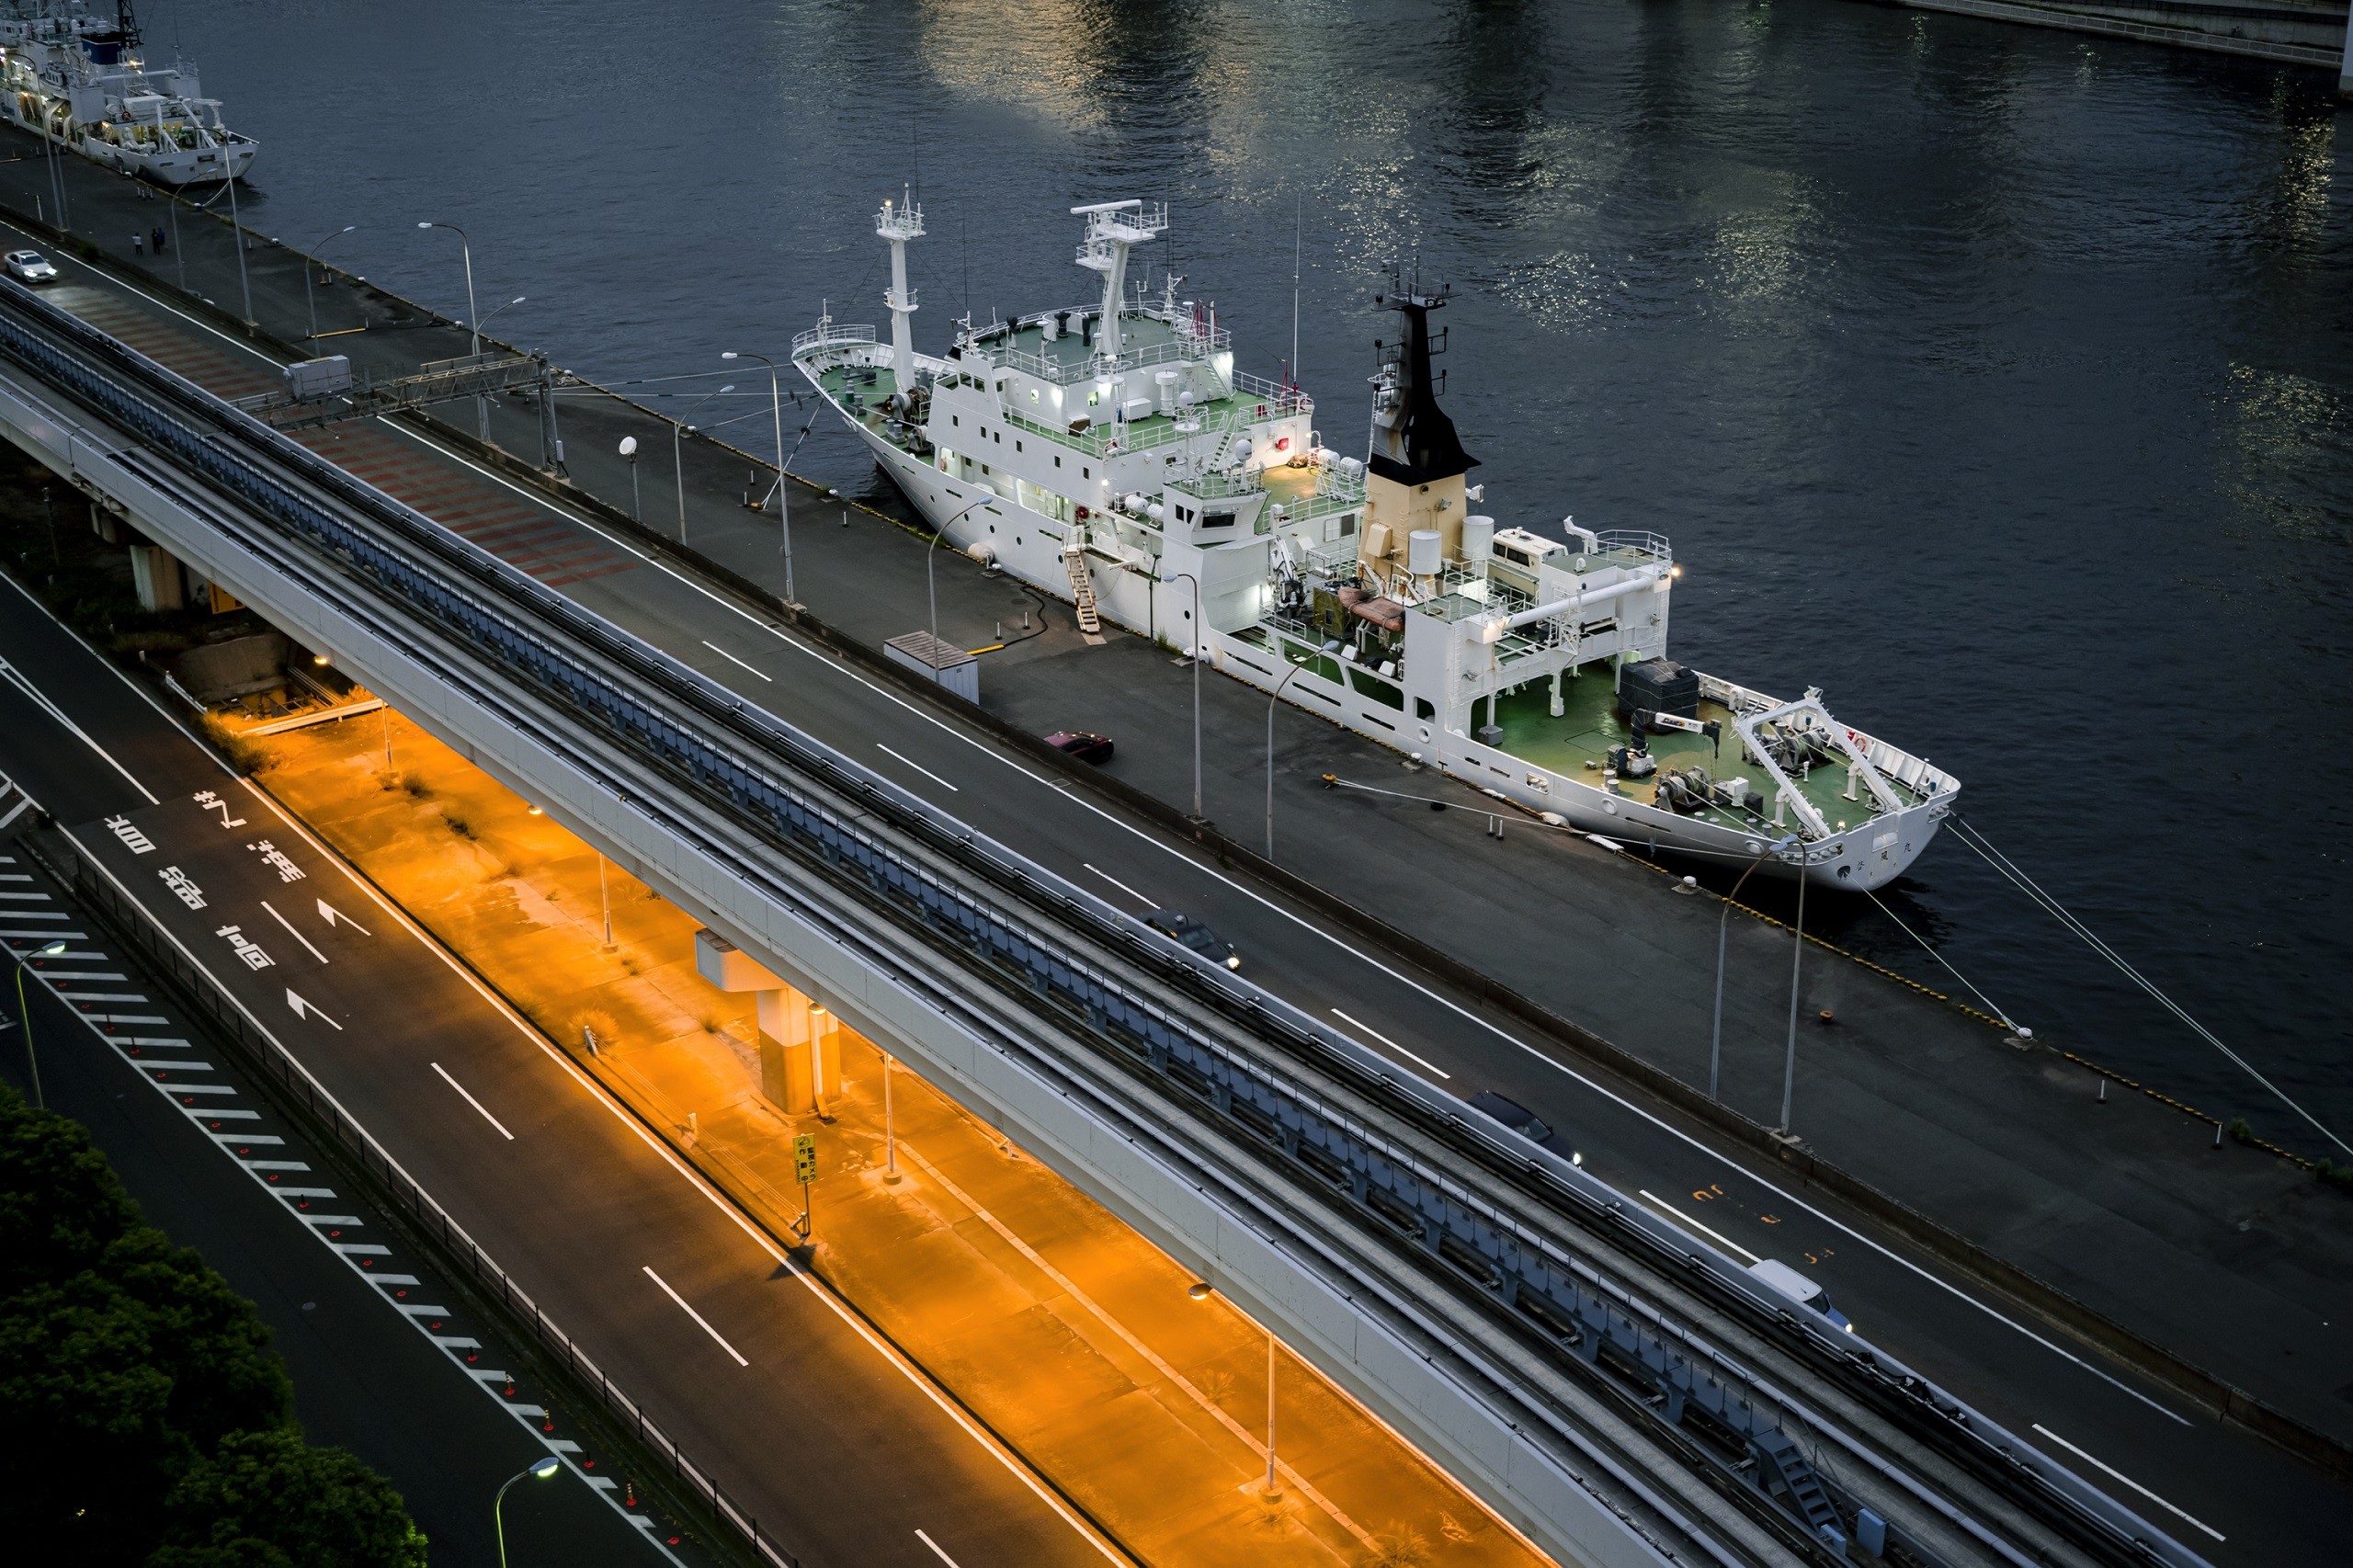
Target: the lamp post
pixel 25 1018
pixel 1272 698
pixel 930 591
pixel 472 316
pixel 539 1470
pixel 494 316
pixel 636 498
pixel 1193 651
pixel 1716 1036
pixel 783 507
pixel 890 1128
pixel 1201 1291
pixel 311 307
pixel 1797 953
pixel 679 458
pixel 238 229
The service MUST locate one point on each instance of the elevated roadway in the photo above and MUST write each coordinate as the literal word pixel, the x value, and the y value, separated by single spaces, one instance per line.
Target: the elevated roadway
pixel 1623 1389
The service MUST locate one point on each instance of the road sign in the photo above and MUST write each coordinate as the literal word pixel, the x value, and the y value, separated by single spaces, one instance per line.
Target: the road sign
pixel 804 1158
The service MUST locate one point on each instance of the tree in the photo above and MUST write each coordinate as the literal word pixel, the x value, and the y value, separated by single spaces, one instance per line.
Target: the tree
pixel 270 1500
pixel 137 1389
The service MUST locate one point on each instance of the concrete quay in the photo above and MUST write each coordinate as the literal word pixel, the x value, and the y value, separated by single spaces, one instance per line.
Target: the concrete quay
pixel 2006 1151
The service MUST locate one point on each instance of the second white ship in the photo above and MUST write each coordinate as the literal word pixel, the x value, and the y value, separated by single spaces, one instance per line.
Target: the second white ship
pixel 1110 453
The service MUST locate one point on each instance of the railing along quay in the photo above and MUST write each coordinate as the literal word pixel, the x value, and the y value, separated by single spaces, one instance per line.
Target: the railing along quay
pixel 1511 1230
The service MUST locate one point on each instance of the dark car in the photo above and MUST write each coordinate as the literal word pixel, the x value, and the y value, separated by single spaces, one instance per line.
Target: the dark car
pixel 1189 933
pixel 1512 1114
pixel 1084 745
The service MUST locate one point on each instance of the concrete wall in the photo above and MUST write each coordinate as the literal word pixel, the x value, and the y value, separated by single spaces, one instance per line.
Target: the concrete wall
pixel 2296 33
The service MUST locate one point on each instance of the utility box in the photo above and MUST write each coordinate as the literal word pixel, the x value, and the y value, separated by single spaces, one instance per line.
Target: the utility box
pixel 936 661
pixel 310 380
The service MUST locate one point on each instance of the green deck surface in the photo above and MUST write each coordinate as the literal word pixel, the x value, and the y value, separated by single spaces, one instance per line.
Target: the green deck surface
pixel 1589 726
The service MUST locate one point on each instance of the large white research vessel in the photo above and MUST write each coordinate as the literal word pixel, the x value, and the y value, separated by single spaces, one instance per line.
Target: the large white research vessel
pixel 79 80
pixel 1110 453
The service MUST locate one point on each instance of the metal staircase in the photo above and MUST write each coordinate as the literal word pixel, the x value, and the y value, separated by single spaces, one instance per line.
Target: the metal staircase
pixel 1082 592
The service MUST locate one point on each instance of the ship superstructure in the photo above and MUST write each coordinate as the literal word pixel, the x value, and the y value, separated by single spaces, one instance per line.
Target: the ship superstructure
pixel 1109 452
pixel 80 81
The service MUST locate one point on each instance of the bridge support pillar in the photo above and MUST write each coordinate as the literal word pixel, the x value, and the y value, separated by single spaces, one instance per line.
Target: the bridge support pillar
pixel 800 1059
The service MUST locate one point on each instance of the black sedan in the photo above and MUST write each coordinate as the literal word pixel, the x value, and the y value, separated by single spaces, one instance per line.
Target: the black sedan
pixel 1191 934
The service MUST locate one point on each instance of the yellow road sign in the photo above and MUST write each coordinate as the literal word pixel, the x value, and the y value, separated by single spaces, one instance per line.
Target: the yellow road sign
pixel 804 1157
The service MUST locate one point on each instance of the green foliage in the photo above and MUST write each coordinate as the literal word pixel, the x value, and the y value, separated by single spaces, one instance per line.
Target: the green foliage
pixel 2239 1131
pixel 267 1498
pixel 131 1374
pixel 2338 1177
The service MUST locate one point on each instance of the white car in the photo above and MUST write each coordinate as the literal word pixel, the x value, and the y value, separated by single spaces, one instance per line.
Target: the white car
pixel 30 267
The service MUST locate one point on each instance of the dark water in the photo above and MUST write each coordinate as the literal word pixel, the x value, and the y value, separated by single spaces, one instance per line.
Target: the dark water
pixel 1993 379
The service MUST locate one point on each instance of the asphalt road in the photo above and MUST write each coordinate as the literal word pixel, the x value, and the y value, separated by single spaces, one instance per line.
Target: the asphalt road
pixel 2181 1466
pixel 368 1376
pixel 840 1450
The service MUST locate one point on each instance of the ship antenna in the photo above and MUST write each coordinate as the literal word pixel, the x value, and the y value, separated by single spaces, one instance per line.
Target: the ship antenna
pixel 1298 221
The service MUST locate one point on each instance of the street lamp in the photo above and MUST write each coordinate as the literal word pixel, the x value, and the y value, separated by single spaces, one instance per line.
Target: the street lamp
pixel 1193 651
pixel 783 507
pixel 930 591
pixel 1797 953
pixel 309 306
pixel 1716 1039
pixel 540 1470
pixel 1201 1291
pixel 679 458
pixel 25 1018
pixel 1271 698
pixel 238 229
pixel 472 316
pixel 636 500
pixel 494 316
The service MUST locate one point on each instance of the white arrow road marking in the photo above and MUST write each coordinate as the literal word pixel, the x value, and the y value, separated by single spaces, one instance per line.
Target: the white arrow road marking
pixel 330 913
pixel 694 1314
pixel 310 1009
pixel 291 932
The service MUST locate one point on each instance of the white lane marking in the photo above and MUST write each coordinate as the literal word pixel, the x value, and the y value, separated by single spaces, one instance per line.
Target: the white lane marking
pixel 1671 1211
pixel 473 1102
pixel 23 683
pixel 2128 1480
pixel 291 932
pixel 1147 903
pixel 1361 1026
pixel 987 1441
pixel 734 659
pixel 934 1549
pixel 919 768
pixel 83 973
pixel 700 1320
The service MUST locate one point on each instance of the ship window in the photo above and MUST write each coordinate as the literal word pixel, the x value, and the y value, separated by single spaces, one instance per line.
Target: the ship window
pixel 998 437
pixel 1033 394
pixel 954 419
pixel 1380 691
pixel 1058 463
pixel 1348 525
pixel 1092 398
pixel 1016 446
pixel 1085 472
pixel 1422 709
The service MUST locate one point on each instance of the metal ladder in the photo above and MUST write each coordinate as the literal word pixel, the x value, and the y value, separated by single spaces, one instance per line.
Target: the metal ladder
pixel 1082 593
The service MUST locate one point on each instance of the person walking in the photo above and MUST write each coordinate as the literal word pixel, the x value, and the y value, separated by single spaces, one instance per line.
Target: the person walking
pixel 158 237
pixel 138 242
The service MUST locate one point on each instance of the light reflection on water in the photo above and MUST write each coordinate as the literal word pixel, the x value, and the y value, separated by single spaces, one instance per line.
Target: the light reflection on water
pixel 1992 379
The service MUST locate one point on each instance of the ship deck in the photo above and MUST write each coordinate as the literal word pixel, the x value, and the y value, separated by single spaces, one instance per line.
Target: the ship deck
pixel 1589 726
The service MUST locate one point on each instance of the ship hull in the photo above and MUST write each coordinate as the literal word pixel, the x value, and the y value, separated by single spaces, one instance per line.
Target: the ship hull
pixel 1029 546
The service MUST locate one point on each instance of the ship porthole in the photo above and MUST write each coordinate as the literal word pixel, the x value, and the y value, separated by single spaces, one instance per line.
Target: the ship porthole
pixel 1426 734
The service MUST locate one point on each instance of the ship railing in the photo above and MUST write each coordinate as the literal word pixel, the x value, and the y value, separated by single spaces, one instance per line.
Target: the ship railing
pixel 1063 373
pixel 1633 546
pixel 831 336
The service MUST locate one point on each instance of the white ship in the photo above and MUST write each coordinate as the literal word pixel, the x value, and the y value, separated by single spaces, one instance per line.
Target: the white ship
pixel 1110 453
pixel 79 80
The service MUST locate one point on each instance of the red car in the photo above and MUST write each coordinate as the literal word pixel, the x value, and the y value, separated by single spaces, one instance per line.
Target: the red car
pixel 1084 745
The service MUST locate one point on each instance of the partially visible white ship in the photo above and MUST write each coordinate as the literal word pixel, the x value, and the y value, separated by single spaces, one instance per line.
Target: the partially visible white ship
pixel 79 80
pixel 1110 453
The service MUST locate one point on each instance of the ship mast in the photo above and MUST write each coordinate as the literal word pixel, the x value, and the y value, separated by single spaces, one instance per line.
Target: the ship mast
pixel 898 224
pixel 1112 228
